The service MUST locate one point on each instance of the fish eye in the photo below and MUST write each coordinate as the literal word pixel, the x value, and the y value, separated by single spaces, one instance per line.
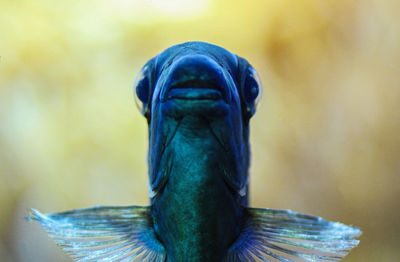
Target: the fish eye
pixel 252 89
pixel 141 90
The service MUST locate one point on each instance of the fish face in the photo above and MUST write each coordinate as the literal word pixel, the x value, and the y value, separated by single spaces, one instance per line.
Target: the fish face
pixel 201 90
pixel 197 77
pixel 195 84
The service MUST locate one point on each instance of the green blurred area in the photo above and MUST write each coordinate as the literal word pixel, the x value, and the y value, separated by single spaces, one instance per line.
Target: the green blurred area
pixel 325 140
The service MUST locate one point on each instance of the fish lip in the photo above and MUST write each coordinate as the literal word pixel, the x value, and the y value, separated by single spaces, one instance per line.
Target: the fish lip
pixel 194 93
pixel 195 90
pixel 213 87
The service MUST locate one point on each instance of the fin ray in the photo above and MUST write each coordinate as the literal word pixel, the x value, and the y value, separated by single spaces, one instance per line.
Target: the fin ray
pixel 287 236
pixel 104 233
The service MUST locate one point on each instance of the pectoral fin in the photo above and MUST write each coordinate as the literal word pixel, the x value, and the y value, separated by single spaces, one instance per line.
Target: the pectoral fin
pixel 104 233
pixel 282 235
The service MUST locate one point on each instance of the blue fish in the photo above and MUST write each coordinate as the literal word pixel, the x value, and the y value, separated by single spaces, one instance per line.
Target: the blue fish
pixel 198 99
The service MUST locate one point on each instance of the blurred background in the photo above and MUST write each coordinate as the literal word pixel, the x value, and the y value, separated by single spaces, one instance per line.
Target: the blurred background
pixel 325 140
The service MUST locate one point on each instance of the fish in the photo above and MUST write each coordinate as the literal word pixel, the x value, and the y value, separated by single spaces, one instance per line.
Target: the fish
pixel 198 99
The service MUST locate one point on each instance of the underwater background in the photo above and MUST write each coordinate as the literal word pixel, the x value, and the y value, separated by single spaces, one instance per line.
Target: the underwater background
pixel 325 139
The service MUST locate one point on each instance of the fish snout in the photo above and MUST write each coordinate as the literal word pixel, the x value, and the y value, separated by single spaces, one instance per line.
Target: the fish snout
pixel 196 77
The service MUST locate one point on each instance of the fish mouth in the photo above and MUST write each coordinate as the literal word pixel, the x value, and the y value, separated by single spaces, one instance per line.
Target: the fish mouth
pixel 195 77
pixel 194 90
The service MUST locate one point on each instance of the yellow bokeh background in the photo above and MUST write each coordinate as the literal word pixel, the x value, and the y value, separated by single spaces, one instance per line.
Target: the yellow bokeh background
pixel 325 140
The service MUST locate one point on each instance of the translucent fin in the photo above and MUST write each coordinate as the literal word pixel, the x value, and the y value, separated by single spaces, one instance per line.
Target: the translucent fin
pixel 282 235
pixel 104 233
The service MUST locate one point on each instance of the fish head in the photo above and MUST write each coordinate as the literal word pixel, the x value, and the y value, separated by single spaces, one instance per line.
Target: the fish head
pixel 198 75
pixel 205 82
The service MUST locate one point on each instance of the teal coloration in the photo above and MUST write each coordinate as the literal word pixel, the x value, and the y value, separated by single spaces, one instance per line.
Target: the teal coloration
pixel 200 162
pixel 198 99
pixel 196 205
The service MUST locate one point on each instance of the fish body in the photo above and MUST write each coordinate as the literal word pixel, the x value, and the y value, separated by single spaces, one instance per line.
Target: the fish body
pixel 199 163
pixel 198 99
